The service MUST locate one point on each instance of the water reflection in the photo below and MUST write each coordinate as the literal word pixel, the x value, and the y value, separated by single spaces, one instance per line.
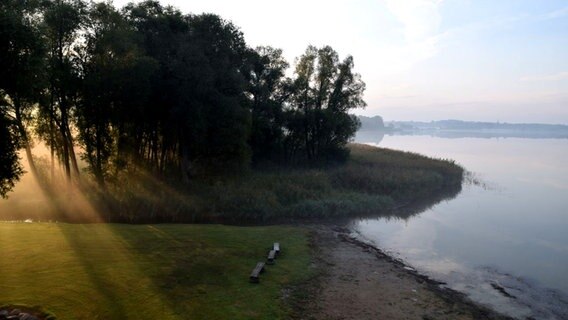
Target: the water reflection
pixel 400 213
pixel 506 229
pixel 409 210
pixel 370 136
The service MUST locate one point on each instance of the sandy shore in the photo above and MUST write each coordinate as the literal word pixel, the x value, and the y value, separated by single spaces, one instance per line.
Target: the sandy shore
pixel 358 281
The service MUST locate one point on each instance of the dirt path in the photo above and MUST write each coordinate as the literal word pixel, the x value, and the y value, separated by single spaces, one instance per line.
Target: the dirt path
pixel 360 282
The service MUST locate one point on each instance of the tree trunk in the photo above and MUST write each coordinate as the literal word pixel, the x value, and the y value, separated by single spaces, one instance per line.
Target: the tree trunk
pixel 72 154
pixel 99 174
pixel 24 136
pixel 185 164
pixel 65 153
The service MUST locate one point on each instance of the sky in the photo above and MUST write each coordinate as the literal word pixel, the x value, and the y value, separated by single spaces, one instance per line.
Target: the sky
pixel 478 60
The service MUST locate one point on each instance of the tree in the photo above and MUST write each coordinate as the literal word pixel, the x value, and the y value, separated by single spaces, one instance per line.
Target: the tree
pixel 196 117
pixel 22 56
pixel 218 91
pixel 10 168
pixel 62 21
pixel 324 91
pixel 268 92
pixel 115 76
pixel 148 136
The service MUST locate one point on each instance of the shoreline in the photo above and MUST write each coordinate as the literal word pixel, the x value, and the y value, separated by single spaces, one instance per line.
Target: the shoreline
pixel 359 281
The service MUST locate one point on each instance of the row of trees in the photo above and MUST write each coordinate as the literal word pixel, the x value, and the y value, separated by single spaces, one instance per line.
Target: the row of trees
pixel 149 87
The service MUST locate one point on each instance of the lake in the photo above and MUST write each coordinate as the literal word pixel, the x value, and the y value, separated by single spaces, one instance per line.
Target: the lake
pixel 504 239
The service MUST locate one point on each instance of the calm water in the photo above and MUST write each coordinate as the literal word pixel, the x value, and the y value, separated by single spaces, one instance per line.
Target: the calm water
pixel 511 232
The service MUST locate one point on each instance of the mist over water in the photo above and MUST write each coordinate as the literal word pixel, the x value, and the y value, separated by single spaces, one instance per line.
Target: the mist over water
pixel 506 231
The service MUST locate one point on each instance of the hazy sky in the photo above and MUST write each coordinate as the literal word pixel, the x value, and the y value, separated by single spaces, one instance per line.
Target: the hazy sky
pixel 486 60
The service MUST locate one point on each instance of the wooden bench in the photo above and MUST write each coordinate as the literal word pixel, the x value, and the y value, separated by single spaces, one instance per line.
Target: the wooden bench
pixel 276 248
pixel 271 257
pixel 255 274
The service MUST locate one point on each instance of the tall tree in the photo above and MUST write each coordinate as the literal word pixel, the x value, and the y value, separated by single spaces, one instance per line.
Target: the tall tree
pixel 10 168
pixel 219 94
pixel 22 57
pixel 62 21
pixel 115 75
pixel 325 90
pixel 196 115
pixel 268 92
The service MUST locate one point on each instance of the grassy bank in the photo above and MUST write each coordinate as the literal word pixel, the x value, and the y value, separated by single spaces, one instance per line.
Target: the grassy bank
pixel 109 271
pixel 372 182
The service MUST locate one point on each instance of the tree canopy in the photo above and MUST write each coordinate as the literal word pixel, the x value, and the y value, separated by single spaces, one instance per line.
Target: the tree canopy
pixel 149 88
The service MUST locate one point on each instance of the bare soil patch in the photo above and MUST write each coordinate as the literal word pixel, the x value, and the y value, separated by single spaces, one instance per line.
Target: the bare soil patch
pixel 358 281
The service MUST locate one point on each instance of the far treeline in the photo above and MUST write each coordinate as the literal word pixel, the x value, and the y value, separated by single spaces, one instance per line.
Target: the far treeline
pixel 147 88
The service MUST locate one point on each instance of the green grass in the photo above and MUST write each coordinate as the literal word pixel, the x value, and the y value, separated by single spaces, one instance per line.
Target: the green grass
pixel 113 271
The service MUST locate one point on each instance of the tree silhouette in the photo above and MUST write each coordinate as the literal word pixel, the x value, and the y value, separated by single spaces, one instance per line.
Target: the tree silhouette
pixel 10 168
pixel 149 89
pixel 324 90
pixel 62 21
pixel 268 89
pixel 21 77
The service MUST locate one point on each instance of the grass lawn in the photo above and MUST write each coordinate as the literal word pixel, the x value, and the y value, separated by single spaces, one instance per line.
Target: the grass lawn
pixel 112 271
